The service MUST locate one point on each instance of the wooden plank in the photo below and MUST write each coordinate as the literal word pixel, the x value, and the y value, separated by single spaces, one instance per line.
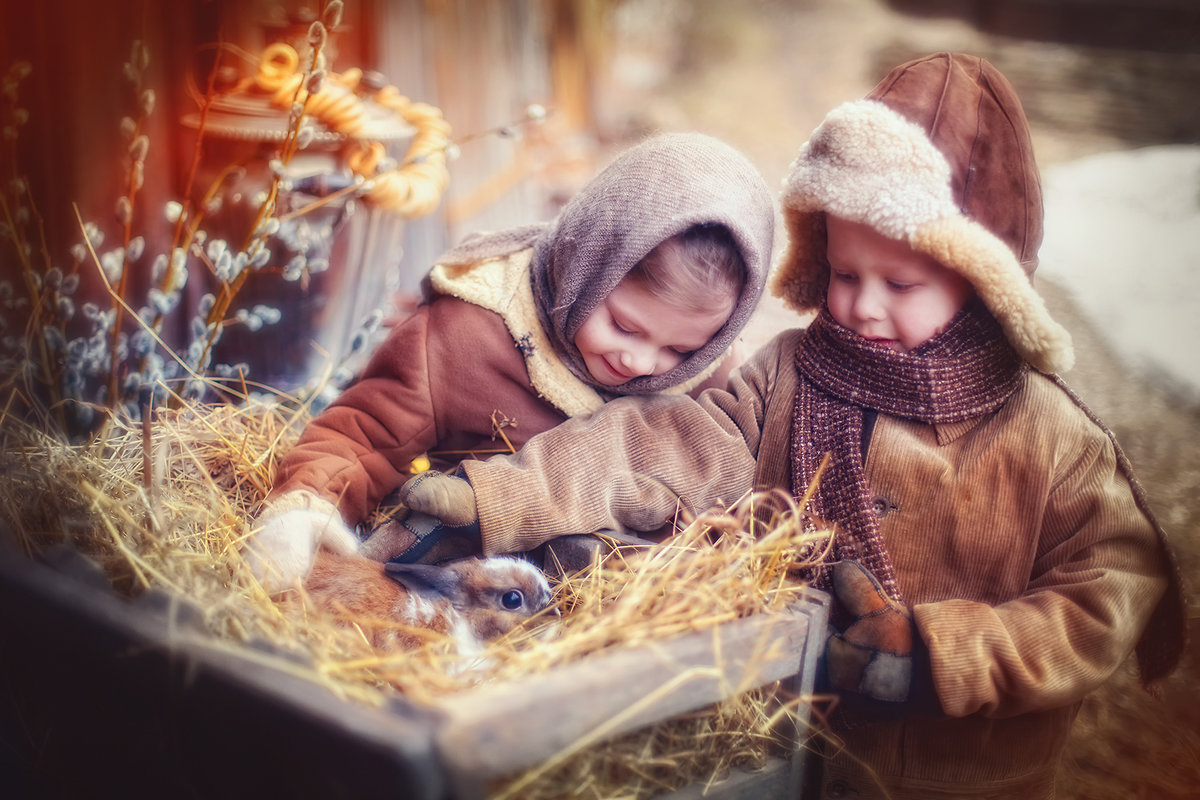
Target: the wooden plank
pixel 772 782
pixel 134 698
pixel 499 729
pixel 803 684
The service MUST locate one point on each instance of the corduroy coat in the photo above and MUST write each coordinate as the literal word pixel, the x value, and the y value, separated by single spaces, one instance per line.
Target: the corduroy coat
pixel 1017 536
pixel 1030 578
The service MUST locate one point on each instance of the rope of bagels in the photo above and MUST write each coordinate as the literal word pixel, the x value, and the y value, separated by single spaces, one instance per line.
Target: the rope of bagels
pixel 411 189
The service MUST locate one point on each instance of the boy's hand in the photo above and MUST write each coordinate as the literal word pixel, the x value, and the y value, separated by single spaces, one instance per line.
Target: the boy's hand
pixel 873 656
pixel 282 546
pixel 441 518
pixel 447 497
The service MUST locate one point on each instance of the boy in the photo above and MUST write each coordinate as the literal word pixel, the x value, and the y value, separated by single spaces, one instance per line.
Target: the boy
pixel 994 560
pixel 640 285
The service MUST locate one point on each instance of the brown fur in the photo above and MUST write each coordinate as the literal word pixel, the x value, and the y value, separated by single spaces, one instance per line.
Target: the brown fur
pixel 466 598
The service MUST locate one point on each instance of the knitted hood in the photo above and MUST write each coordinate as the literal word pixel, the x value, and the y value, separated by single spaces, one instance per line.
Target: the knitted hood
pixel 938 155
pixel 651 192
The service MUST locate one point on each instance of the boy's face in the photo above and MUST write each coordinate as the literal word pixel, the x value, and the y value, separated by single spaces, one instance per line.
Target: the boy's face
pixel 885 291
pixel 634 332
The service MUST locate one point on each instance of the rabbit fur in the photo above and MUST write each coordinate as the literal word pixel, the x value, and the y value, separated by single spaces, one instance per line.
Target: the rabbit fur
pixel 471 600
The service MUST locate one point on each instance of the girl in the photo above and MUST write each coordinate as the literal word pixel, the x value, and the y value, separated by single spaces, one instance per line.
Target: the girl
pixel 640 285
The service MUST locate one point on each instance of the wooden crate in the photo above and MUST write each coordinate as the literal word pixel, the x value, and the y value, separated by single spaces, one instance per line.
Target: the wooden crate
pixel 101 694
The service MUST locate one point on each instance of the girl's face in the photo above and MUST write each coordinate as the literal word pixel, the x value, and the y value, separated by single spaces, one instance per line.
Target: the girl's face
pixel 634 332
pixel 885 291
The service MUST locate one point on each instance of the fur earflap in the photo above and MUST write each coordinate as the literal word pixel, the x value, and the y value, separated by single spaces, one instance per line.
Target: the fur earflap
pixel 980 257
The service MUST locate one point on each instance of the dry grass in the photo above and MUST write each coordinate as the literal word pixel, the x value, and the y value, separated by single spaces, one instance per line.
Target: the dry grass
pixel 166 505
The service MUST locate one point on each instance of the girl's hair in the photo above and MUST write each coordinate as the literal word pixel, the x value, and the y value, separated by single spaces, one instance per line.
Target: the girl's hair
pixel 692 268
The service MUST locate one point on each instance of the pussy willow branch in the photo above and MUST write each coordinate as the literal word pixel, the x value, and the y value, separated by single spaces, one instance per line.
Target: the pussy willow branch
pixel 35 299
pixel 197 152
pixel 37 320
pixel 228 289
pixel 131 191
pixel 118 300
pixel 186 226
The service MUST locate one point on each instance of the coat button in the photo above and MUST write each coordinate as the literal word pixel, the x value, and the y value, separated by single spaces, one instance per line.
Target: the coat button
pixel 837 789
pixel 882 506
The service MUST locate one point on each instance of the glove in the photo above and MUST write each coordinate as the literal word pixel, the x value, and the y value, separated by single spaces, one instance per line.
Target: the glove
pixel 873 655
pixel 450 498
pixel 441 522
pixel 281 549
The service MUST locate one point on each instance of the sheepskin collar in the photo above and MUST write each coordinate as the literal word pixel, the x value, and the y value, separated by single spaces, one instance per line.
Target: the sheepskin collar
pixel 503 285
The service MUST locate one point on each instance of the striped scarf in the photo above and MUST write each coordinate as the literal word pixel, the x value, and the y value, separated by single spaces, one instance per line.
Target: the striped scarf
pixel 967 370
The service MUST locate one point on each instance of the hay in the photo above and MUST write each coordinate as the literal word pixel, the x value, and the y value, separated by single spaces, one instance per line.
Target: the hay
pixel 165 505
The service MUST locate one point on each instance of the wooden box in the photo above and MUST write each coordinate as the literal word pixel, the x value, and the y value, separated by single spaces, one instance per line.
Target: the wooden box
pixel 100 694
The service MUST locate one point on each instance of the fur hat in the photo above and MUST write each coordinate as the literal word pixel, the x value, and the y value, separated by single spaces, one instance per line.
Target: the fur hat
pixel 938 155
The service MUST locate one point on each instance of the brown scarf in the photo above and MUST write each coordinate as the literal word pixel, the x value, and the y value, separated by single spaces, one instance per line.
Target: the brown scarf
pixel 967 370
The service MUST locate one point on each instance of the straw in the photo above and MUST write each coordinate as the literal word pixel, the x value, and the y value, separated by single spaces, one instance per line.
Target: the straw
pixel 168 503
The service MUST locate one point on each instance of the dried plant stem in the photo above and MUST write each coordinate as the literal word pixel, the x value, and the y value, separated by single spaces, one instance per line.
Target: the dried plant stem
pixel 132 186
pixel 120 302
pixel 320 202
pixel 211 468
pixel 229 290
pixel 36 321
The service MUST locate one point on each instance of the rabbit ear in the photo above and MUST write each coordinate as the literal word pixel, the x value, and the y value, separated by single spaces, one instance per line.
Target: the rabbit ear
pixel 425 579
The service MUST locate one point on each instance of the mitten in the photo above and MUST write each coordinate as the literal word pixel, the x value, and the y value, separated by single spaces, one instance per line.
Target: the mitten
pixel 450 498
pixel 286 536
pixel 873 655
pixel 441 518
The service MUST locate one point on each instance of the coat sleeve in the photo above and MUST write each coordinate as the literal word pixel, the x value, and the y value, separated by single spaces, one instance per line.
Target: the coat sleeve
pixel 629 466
pixel 359 448
pixel 1096 579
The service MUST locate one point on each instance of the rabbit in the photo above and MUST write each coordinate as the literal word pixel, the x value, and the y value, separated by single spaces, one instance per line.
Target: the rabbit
pixel 471 600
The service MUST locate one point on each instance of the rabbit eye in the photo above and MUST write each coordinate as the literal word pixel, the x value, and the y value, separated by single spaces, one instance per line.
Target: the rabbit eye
pixel 512 600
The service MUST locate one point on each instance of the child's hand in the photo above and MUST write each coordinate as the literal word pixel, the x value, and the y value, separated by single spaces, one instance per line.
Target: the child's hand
pixel 873 656
pixel 447 497
pixel 281 549
pixel 441 510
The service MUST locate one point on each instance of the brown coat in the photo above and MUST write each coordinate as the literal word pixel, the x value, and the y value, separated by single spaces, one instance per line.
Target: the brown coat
pixel 434 384
pixel 1030 568
pixel 474 353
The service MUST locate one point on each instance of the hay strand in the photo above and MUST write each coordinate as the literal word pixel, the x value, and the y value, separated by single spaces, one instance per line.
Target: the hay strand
pixel 164 504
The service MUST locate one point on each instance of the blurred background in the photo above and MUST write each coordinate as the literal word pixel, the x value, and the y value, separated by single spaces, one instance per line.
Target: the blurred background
pixel 1109 87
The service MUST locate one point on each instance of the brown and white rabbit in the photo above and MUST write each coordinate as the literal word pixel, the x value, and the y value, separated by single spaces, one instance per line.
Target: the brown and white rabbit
pixel 471 600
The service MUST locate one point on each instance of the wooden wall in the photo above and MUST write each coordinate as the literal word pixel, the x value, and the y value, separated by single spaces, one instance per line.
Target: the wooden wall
pixel 483 62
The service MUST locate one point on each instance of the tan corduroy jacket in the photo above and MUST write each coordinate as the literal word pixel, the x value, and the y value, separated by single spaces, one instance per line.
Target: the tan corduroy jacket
pixel 1017 542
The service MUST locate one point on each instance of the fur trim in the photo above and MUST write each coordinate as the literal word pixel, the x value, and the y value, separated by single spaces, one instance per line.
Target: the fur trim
pixel 865 163
pixel 299 500
pixel 975 253
pixel 801 278
pixel 868 164
pixel 503 285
